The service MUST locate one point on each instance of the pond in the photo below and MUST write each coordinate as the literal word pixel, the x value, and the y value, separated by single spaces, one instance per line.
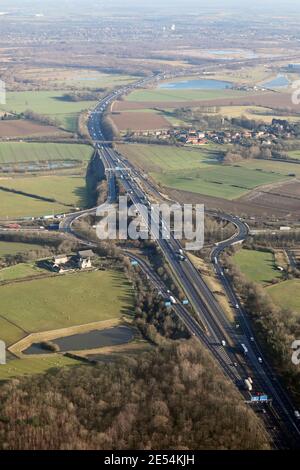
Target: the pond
pixel 38 166
pixel 281 81
pixel 91 340
pixel 197 84
pixel 226 54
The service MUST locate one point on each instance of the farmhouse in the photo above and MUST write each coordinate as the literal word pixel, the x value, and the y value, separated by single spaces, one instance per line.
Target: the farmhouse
pixel 84 259
pixel 64 263
pixel 59 263
pixel 60 259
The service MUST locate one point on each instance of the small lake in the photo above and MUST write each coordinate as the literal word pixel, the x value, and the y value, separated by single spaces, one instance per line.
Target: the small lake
pixel 281 81
pixel 198 84
pixel 230 52
pixel 38 166
pixel 92 340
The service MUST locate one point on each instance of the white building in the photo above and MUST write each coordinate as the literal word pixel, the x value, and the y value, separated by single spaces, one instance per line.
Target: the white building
pixel 84 259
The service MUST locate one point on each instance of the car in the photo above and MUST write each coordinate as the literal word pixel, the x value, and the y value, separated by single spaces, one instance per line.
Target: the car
pixel 297 414
pixel 252 339
pixel 260 360
pixel 237 306
pixel 223 343
pixel 261 410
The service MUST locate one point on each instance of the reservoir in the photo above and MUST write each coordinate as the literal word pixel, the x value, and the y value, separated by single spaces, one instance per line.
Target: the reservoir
pixel 281 81
pixel 196 84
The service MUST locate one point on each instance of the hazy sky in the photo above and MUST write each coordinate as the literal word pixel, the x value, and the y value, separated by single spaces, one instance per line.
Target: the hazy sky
pixel 173 6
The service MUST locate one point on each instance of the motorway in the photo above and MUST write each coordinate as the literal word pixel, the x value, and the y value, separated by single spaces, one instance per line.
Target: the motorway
pixel 209 323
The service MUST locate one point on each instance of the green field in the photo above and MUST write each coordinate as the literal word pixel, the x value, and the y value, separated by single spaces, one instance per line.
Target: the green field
pixel 48 103
pixel 12 248
pixel 14 152
pixel 200 171
pixel 68 192
pixel 166 158
pixel 168 95
pixel 13 205
pixel 34 365
pixel 62 301
pixel 220 181
pixel 64 189
pixel 19 271
pixel 294 154
pixel 258 266
pixel 287 295
pixel 272 166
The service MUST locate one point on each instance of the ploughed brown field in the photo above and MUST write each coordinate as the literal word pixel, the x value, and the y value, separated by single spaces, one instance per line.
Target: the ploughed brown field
pixel 284 197
pixel 139 121
pixel 268 100
pixel 261 205
pixel 23 128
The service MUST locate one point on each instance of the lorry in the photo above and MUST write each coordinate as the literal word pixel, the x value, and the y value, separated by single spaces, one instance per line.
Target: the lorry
pixel 180 255
pixel 244 349
pixel 53 227
pixel 134 263
pixel 248 384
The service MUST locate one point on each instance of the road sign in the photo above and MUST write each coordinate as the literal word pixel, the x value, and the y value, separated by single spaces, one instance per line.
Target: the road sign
pixel 263 398
pixel 255 399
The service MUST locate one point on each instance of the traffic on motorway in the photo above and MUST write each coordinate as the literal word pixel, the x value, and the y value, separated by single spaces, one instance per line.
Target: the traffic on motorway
pixel 233 345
